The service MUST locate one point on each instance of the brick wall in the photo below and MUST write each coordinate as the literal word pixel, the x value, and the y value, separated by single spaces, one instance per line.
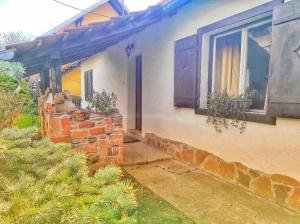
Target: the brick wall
pixel 100 137
pixel 279 188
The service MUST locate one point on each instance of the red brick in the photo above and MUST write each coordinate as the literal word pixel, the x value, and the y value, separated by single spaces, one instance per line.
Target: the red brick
pixel 109 120
pixel 108 129
pixel 200 156
pixel 102 143
pixel 100 123
pixel 187 155
pixel 79 133
pixel 55 127
pixel 65 124
pixel 91 148
pixel 117 137
pixel 62 139
pixel 118 131
pixel 285 180
pixel 86 124
pixel 97 131
pixel 117 142
pixel 262 186
pixel 97 116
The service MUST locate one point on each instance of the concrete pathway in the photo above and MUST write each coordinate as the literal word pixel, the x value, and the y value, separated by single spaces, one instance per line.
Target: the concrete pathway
pixel 205 199
pixel 141 153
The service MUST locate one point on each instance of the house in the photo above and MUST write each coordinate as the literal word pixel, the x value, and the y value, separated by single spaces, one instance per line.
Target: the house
pixel 164 62
pixel 101 11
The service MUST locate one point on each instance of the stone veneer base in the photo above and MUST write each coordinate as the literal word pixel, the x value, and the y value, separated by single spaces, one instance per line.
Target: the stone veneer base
pixel 279 188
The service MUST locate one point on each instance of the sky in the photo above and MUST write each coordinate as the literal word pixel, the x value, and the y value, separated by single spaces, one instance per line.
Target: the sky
pixel 35 17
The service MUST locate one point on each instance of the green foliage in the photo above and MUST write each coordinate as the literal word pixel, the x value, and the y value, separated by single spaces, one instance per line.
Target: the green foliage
pixel 41 182
pixel 14 94
pixel 26 120
pixel 225 110
pixel 13 69
pixel 104 102
pixel 8 83
pixel 11 106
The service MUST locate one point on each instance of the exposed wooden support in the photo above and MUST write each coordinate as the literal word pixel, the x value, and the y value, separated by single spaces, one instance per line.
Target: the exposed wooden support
pixel 45 79
pixel 55 71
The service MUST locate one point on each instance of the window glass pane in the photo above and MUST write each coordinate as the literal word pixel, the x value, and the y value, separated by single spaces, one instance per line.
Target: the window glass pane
pixel 227 64
pixel 258 57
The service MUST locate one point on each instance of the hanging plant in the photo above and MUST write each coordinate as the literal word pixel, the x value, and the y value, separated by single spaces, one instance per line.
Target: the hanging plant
pixel 224 110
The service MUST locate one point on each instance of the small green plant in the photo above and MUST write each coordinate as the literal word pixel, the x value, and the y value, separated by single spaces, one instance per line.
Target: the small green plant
pixel 104 102
pixel 42 182
pixel 224 110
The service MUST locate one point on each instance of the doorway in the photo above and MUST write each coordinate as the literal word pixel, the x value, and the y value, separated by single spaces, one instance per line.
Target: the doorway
pixel 138 95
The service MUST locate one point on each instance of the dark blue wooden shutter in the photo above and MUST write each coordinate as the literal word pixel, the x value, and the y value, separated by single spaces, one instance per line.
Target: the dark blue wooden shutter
pixel 284 80
pixel 185 72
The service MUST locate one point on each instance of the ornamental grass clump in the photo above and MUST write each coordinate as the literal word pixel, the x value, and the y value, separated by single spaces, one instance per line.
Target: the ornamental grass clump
pixel 47 183
pixel 224 110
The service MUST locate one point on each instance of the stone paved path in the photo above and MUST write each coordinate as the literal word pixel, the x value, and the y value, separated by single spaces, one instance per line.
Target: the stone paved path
pixel 141 153
pixel 205 199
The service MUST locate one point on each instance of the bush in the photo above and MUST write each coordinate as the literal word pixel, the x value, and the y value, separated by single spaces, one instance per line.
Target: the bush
pixel 14 93
pixel 26 120
pixel 104 102
pixel 41 182
pixel 11 107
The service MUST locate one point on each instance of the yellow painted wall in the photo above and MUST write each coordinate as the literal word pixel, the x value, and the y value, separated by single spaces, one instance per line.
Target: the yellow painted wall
pixel 71 82
pixel 106 10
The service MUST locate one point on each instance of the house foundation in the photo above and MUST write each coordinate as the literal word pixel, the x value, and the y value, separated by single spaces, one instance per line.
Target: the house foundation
pixel 279 188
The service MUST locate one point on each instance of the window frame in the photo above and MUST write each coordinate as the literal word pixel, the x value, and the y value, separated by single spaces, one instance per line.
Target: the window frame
pixel 206 46
pixel 244 51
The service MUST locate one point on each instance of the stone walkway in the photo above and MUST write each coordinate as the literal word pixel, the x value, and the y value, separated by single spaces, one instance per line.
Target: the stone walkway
pixel 206 199
pixel 141 153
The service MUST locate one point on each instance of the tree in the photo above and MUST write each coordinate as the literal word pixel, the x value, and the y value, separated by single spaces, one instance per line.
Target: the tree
pixel 47 183
pixel 13 37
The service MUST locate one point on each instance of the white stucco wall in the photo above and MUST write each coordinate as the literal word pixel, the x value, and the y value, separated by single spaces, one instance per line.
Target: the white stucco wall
pixel 109 74
pixel 270 148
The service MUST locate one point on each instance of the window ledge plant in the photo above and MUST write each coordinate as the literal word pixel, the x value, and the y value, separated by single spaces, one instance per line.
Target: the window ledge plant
pixel 224 110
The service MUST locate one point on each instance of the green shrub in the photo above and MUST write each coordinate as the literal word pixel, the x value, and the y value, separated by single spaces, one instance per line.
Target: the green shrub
pixel 27 120
pixel 11 107
pixel 47 183
pixel 14 94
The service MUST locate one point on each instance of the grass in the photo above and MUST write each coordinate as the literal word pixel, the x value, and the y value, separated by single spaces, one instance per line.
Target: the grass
pixel 27 120
pixel 152 209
